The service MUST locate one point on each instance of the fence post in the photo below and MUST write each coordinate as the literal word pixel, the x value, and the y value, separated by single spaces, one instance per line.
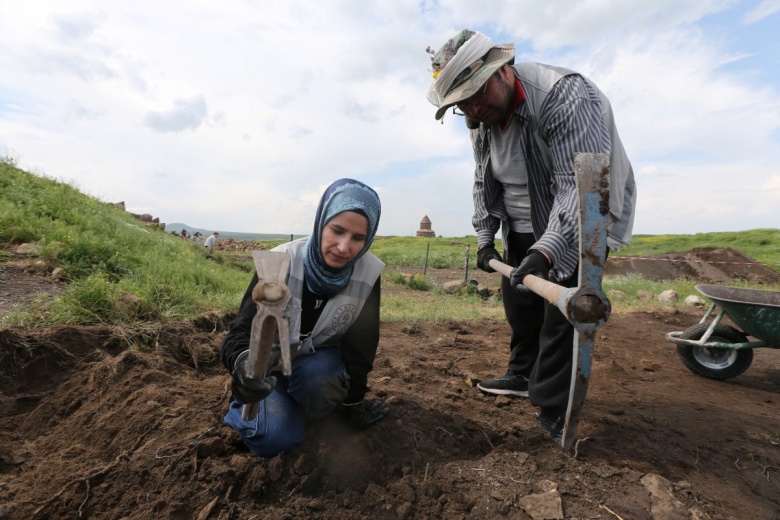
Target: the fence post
pixel 466 264
pixel 427 249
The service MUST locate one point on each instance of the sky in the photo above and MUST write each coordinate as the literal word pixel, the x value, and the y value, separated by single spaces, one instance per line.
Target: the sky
pixel 236 115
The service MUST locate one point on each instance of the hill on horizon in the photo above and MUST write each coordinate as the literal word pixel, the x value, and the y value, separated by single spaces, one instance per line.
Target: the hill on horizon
pixel 235 235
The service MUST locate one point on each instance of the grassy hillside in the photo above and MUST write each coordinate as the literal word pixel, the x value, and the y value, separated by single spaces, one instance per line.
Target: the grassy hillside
pixel 119 269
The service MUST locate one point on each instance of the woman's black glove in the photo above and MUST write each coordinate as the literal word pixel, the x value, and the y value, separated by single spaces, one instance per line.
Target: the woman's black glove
pixel 485 255
pixel 536 264
pixel 247 390
pixel 365 413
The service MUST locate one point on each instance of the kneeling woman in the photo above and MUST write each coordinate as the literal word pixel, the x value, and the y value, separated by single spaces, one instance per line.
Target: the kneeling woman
pixel 334 328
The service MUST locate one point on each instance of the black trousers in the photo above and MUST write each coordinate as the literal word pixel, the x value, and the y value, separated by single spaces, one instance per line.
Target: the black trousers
pixel 542 338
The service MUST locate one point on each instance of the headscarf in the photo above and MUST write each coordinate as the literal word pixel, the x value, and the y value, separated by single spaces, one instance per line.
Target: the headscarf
pixel 342 195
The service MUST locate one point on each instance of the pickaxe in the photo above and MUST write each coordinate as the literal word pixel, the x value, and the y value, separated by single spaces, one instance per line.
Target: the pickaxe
pixel 585 306
pixel 271 296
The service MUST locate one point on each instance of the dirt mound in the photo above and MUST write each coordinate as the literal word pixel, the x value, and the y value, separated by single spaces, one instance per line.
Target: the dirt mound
pixel 722 265
pixel 90 428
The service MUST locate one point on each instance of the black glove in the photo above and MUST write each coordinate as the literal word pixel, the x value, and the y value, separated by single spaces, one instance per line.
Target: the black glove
pixel 247 390
pixel 365 413
pixel 536 264
pixel 485 255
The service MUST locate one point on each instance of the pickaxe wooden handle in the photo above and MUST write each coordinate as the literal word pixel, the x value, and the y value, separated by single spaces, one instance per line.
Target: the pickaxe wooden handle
pixel 578 304
pixel 585 306
pixel 271 297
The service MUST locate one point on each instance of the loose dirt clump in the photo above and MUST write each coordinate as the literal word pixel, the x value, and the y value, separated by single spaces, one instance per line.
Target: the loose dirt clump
pixel 97 422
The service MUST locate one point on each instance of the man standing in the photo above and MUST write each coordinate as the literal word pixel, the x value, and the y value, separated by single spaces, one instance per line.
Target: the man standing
pixel 527 121
pixel 212 240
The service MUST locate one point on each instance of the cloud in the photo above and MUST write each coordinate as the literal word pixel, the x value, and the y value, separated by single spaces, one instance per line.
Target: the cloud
pixel 57 63
pixel 77 111
pixel 74 28
pixel 575 22
pixel 186 114
pixel 761 11
pixel 773 183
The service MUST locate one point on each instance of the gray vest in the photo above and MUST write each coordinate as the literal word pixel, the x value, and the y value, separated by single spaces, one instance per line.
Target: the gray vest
pixel 340 311
pixel 537 80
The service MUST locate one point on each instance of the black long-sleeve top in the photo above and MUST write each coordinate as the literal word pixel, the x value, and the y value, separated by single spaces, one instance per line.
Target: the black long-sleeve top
pixel 358 345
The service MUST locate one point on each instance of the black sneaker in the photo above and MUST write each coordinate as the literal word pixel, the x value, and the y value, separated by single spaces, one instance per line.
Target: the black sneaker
pixel 508 384
pixel 552 424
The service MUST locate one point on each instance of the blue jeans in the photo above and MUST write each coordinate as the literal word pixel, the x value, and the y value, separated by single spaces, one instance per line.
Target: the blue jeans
pixel 318 383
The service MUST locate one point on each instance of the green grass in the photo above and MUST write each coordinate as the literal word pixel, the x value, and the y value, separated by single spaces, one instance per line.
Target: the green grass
pixel 120 271
pixel 412 251
pixel 436 306
pixel 417 281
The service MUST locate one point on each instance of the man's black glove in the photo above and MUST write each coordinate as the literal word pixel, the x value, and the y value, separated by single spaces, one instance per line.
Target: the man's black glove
pixel 247 390
pixel 536 264
pixel 485 255
pixel 365 413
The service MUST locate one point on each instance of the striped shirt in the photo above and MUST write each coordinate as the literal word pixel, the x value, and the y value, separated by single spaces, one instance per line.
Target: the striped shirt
pixel 570 121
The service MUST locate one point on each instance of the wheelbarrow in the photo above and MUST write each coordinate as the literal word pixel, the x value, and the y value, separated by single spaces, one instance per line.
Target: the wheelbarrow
pixel 718 351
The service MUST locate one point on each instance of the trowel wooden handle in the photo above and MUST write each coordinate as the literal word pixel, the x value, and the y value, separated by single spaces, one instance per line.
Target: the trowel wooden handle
pixel 548 290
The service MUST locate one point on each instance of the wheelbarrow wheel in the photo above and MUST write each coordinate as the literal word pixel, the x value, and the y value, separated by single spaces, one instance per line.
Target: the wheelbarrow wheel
pixel 715 363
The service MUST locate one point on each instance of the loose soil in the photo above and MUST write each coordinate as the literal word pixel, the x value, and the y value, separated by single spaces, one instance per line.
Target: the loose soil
pixel 96 422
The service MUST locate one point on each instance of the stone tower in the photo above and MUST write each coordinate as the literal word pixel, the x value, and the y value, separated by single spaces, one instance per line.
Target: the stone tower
pixel 425 228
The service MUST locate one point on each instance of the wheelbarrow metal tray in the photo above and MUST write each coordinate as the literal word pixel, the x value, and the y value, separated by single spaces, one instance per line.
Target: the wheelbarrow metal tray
pixel 755 311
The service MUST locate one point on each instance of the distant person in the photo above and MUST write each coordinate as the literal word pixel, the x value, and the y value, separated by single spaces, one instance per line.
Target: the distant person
pixel 197 237
pixel 183 234
pixel 211 241
pixel 334 328
pixel 527 120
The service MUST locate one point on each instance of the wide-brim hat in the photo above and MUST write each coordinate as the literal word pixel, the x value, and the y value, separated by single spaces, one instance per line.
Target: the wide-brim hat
pixel 471 78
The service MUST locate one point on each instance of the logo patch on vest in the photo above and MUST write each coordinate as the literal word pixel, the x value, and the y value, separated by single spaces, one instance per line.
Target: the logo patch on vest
pixel 343 317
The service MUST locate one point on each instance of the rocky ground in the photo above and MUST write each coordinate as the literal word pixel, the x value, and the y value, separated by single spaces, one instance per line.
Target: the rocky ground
pixel 90 428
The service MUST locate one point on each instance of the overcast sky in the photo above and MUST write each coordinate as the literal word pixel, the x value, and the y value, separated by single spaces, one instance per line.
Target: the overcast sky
pixel 235 115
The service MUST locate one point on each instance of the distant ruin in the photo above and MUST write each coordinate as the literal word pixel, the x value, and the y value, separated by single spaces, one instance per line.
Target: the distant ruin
pixel 425 228
pixel 147 219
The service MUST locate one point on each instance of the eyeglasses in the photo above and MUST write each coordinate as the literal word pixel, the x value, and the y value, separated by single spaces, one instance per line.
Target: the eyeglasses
pixel 475 99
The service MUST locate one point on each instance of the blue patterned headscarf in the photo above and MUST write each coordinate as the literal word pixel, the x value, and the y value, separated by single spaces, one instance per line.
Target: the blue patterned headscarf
pixel 342 195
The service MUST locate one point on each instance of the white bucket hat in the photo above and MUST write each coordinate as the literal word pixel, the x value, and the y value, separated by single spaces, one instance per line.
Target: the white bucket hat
pixel 462 66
